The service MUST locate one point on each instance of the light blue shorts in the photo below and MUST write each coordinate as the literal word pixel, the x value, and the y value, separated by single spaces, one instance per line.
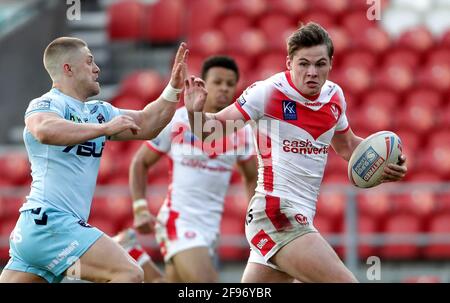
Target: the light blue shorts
pixel 47 241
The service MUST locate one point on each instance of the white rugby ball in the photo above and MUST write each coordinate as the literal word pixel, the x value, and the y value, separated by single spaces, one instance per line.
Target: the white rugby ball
pixel 366 165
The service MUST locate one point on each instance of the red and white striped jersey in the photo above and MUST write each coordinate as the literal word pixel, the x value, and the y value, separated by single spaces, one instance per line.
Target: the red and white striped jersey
pixel 200 172
pixel 293 135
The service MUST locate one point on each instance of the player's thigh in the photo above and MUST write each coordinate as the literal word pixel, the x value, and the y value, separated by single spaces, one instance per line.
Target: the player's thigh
pixel 172 275
pixel 13 276
pixel 309 258
pixel 104 261
pixel 195 265
pixel 259 273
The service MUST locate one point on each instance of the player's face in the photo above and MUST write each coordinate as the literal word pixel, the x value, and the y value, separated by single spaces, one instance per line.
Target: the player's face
pixel 86 73
pixel 309 68
pixel 221 85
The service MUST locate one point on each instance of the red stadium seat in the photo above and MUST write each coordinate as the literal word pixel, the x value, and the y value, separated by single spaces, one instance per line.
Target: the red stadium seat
pixel 440 224
pixel 366 226
pixel 403 56
pixel 374 203
pixel 382 98
pixel 324 225
pixel 332 7
pixel 396 77
pixel 374 39
pixel 207 43
pixel 445 39
pixel 321 17
pixel 197 20
pixel 420 118
pixel 436 158
pixel 293 8
pixel 373 118
pixel 356 23
pixel 126 20
pixel 425 96
pixel 276 28
pixel 145 85
pixel 250 8
pixel 331 204
pixel 435 76
pixel 355 79
pixel 401 224
pixel 439 56
pixel 341 41
pixel 336 164
pixel 6 228
pixel 15 167
pixel 250 42
pixel 359 57
pixel 418 39
pixel 419 202
pixel 232 25
pixel 444 119
pixel 164 21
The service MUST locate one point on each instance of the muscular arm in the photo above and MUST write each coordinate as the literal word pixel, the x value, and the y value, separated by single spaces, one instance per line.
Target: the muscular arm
pixel 345 143
pixel 249 173
pixel 49 128
pixel 156 115
pixel 140 164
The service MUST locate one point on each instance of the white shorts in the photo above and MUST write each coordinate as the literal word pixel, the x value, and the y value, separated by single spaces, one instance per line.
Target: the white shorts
pixel 273 222
pixel 174 237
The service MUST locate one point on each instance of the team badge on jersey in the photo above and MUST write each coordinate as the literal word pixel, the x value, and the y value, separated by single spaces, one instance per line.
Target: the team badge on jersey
pixel 100 118
pixel 334 111
pixel 241 101
pixel 289 110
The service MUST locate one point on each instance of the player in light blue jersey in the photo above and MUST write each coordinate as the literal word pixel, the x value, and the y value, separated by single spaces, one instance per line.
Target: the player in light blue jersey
pixel 65 135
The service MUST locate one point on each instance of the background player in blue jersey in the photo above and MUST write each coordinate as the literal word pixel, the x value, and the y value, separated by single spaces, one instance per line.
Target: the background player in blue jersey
pixel 64 136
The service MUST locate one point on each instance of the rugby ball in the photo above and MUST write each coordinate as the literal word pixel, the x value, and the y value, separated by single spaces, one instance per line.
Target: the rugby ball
pixel 366 165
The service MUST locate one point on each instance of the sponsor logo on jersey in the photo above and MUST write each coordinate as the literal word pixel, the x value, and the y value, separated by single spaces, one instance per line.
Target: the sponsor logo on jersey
pixel 289 110
pixel 241 100
pixel 301 219
pixel 303 147
pixel 316 103
pixel 41 104
pixel 263 242
pixel 368 164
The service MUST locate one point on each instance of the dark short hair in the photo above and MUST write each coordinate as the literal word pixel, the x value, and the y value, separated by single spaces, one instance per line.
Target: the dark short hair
pixel 311 34
pixel 219 61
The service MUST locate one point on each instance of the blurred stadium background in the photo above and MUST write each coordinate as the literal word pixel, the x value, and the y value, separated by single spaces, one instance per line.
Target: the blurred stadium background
pixel 395 72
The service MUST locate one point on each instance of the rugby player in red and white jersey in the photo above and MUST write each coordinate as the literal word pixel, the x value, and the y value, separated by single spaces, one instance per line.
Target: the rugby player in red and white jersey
pixel 298 114
pixel 187 225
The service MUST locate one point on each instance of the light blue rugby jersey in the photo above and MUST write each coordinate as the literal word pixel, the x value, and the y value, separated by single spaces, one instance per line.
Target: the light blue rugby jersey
pixel 64 177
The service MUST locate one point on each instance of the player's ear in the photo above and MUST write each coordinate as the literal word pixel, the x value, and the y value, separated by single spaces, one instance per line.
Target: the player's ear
pixel 331 63
pixel 288 63
pixel 67 68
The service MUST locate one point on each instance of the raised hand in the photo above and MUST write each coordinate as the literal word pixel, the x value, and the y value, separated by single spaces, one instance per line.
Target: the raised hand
pixel 179 69
pixel 195 94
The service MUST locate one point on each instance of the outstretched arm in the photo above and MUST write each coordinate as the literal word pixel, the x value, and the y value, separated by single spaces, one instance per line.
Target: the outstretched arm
pixel 49 128
pixel 209 125
pixel 156 115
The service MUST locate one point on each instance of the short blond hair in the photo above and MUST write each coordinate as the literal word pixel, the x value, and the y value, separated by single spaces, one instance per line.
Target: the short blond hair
pixel 57 50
